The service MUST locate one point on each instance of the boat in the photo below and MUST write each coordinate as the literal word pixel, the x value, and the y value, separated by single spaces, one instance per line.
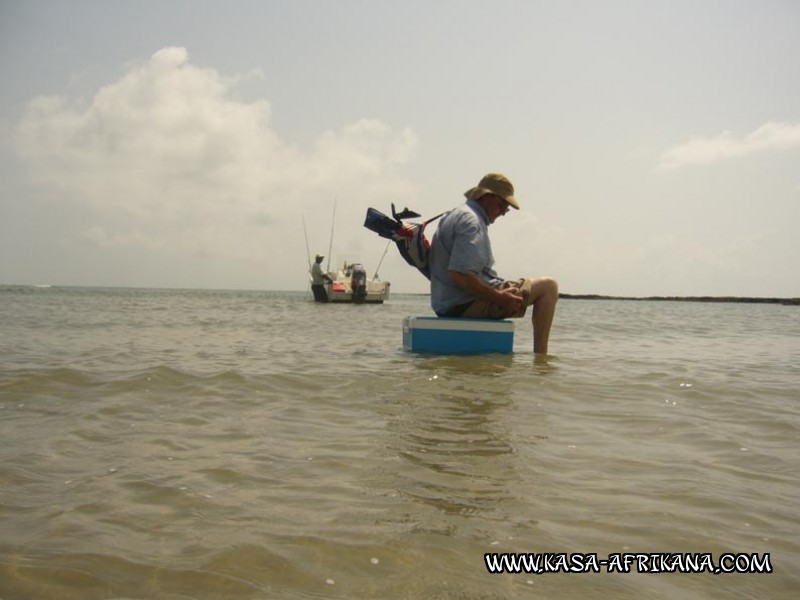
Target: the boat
pixel 350 285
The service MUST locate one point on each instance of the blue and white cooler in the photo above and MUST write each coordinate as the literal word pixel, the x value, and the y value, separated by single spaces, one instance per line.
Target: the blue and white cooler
pixel 440 335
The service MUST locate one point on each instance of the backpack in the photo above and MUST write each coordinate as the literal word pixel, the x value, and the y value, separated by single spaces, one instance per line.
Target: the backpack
pixel 409 238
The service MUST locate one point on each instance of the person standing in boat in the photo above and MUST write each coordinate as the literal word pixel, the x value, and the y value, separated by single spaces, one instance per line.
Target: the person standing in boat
pixel 463 282
pixel 318 279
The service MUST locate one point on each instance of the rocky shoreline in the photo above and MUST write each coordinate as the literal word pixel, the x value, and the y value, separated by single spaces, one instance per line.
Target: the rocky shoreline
pixel 783 301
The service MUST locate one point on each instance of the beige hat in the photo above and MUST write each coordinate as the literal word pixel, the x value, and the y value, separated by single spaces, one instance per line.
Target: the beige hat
pixel 494 183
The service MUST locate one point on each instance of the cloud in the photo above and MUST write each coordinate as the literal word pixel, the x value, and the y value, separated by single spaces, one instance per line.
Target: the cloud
pixel 698 150
pixel 165 159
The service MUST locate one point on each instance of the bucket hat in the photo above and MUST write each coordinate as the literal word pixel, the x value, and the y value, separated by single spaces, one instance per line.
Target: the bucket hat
pixel 494 183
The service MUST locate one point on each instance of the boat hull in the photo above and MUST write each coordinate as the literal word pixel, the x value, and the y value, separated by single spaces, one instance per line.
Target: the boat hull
pixel 376 293
pixel 349 285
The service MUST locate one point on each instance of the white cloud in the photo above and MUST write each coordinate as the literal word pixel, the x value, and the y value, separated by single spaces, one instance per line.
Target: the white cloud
pixel 699 150
pixel 167 160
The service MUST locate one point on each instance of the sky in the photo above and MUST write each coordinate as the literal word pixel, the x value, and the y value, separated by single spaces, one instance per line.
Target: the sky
pixel 654 146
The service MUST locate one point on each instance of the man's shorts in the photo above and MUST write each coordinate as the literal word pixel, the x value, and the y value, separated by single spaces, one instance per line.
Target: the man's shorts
pixel 483 309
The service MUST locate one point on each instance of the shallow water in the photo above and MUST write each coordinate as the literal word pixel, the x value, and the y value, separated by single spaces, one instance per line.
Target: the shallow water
pixel 228 444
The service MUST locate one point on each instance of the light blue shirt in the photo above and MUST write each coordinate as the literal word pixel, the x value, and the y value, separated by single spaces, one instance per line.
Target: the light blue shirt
pixel 461 243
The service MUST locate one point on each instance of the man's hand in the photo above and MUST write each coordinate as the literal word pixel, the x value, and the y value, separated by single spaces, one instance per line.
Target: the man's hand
pixel 509 299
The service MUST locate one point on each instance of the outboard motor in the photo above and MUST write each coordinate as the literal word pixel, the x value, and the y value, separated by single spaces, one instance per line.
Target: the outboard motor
pixel 358 283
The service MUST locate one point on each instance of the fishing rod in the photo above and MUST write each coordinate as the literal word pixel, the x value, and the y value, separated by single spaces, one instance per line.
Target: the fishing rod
pixel 330 246
pixel 305 233
pixel 374 277
pixel 308 254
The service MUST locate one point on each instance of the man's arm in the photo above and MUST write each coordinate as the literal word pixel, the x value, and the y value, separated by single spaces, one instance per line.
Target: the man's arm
pixel 508 299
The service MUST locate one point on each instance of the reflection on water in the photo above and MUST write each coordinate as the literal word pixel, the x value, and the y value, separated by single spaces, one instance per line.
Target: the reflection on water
pixel 455 454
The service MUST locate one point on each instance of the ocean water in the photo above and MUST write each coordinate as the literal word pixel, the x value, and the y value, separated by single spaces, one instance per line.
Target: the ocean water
pixel 244 445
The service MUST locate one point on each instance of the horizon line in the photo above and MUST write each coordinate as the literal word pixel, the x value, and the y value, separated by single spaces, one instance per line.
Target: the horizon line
pixel 568 296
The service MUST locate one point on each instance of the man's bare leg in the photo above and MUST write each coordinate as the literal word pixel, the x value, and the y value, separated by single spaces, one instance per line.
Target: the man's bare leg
pixel 539 292
pixel 543 297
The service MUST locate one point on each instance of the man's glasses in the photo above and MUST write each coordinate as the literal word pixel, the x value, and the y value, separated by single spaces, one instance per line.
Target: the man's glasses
pixel 504 206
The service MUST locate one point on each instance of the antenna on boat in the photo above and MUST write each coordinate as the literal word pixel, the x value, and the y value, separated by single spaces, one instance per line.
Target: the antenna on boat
pixel 330 246
pixel 374 277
